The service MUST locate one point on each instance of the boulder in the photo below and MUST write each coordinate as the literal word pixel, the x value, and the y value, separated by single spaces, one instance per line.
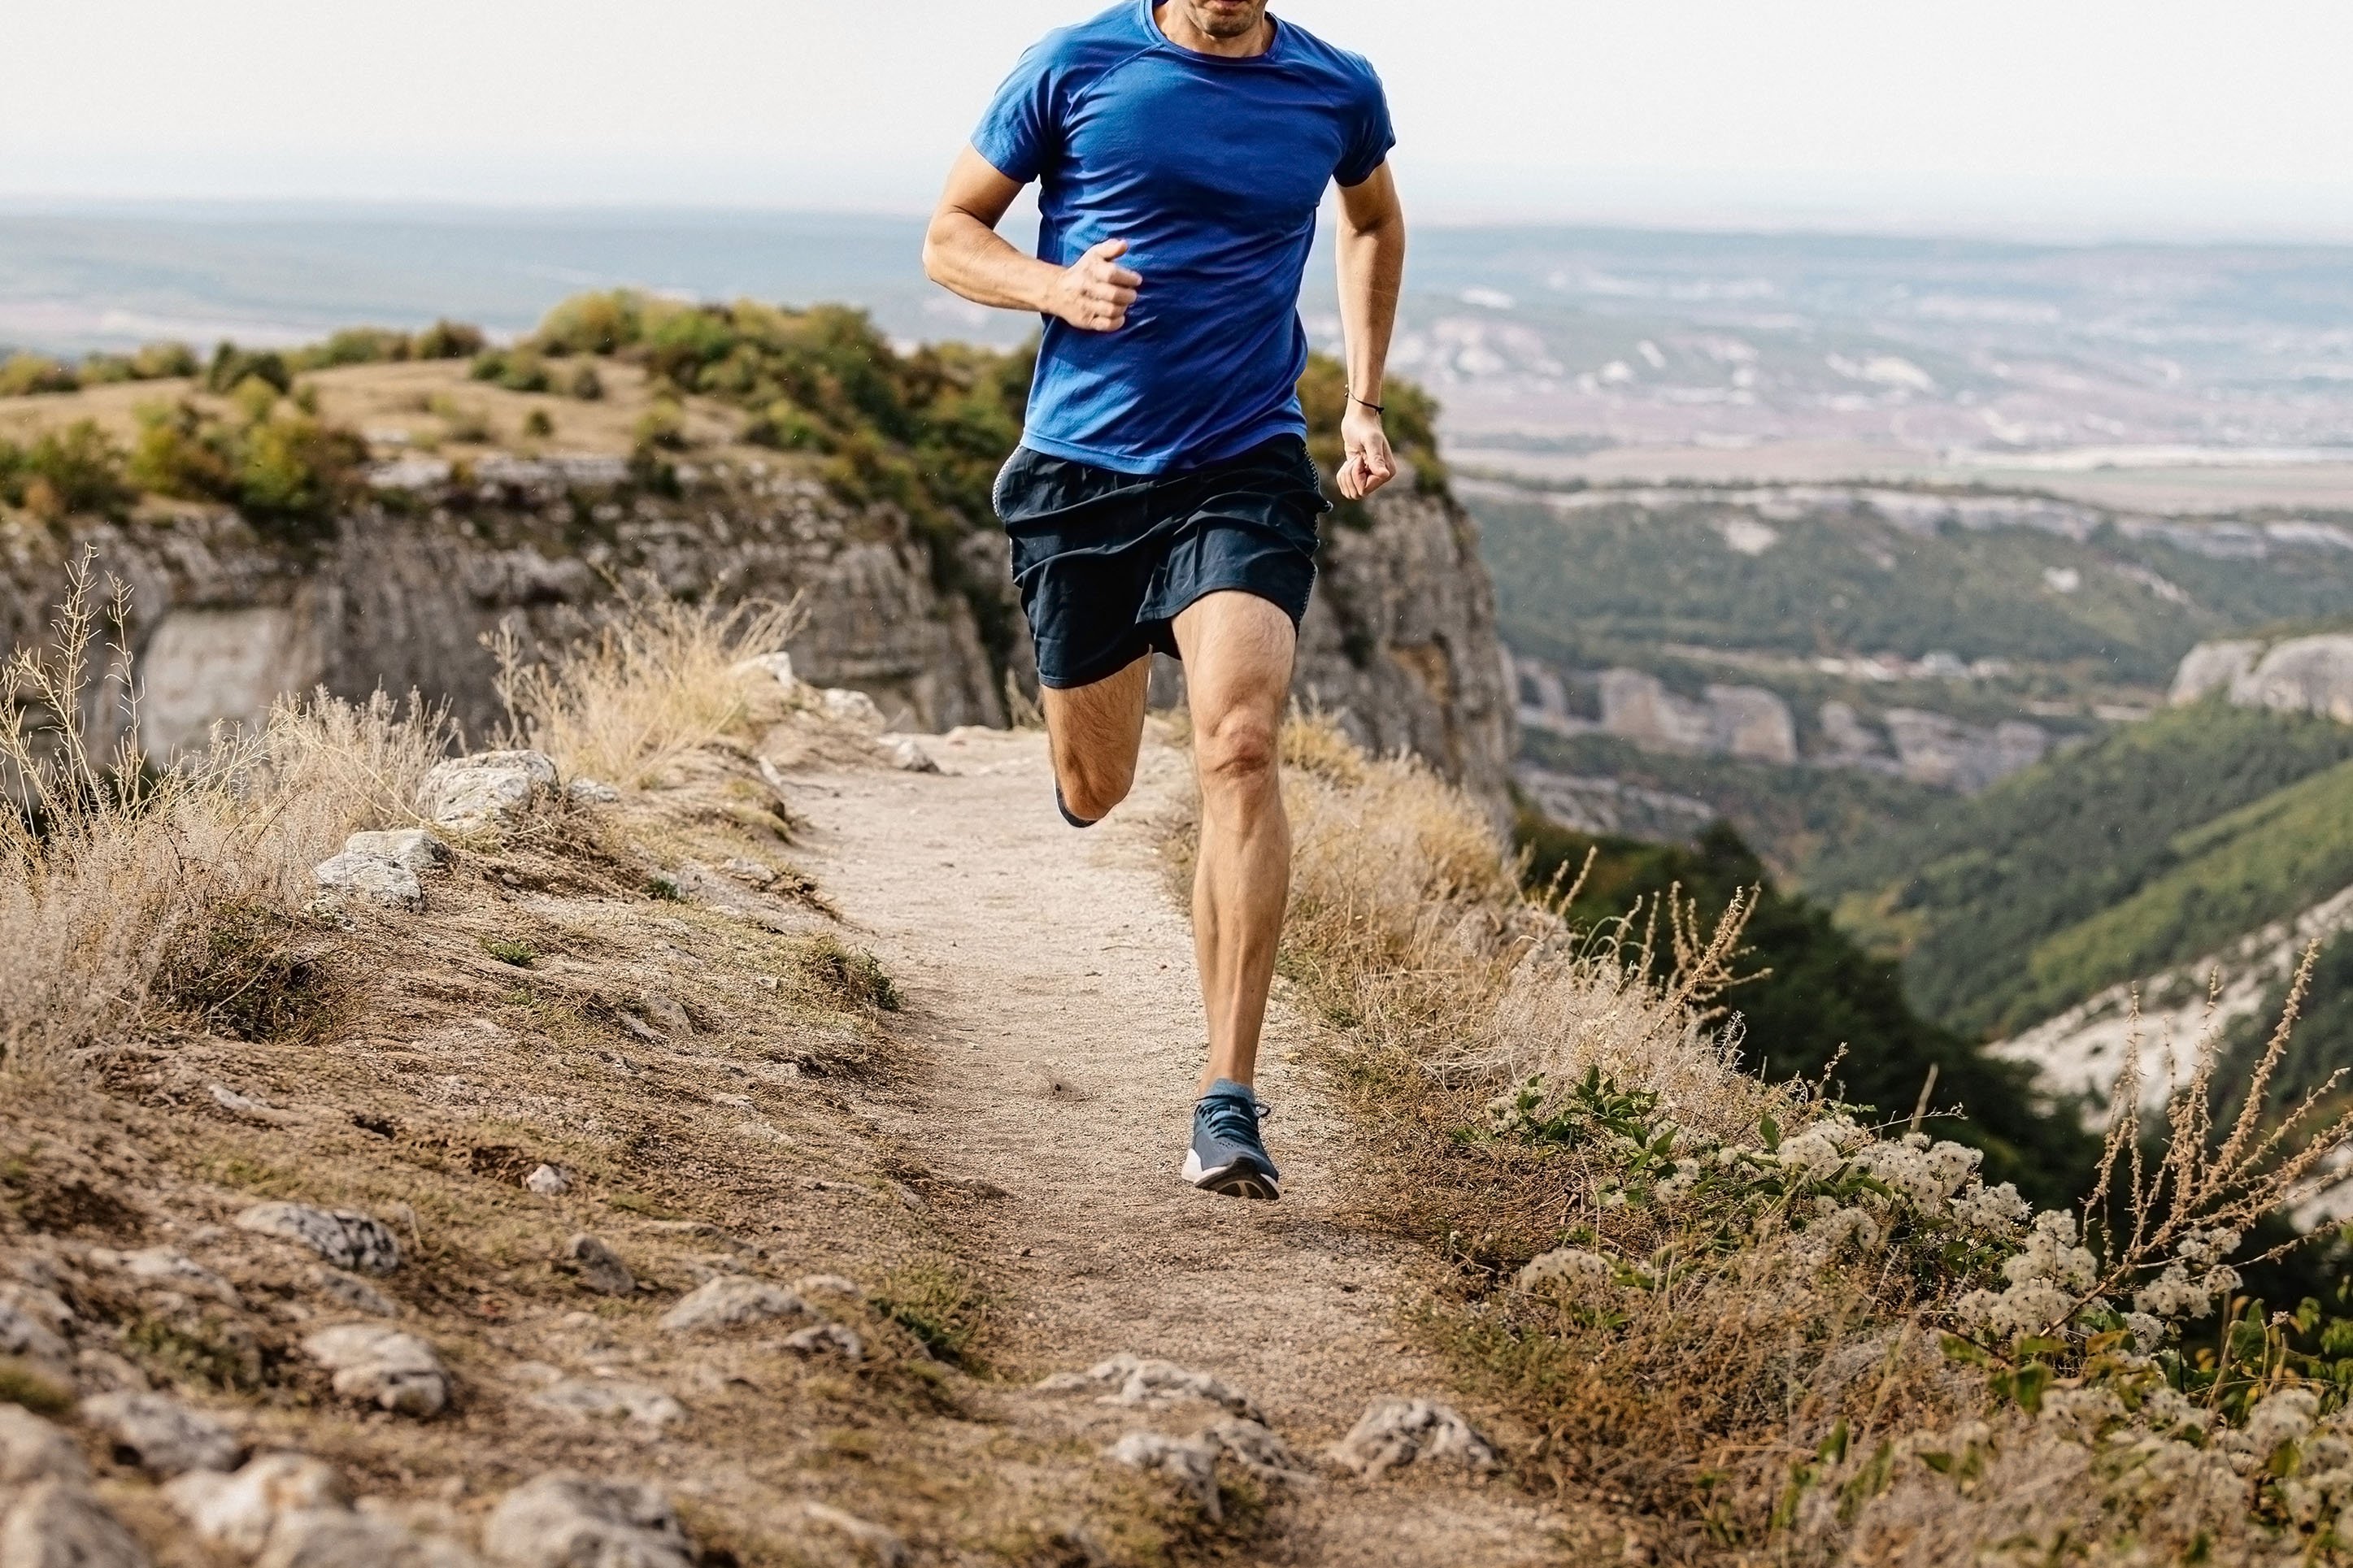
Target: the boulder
pixel 548 1181
pixel 485 791
pixel 2213 666
pixel 854 709
pixel 239 1512
pixel 1395 1433
pixel 344 1237
pixel 2302 675
pixel 162 1436
pixel 591 792
pixel 382 1366
pixel 411 847
pixel 1191 1463
pixel 731 1301
pixel 775 666
pixel 1135 1380
pixel 31 1449
pixel 597 1268
pixel 351 1290
pixel 370 879
pixel 24 1336
pixel 175 1270
pixel 334 1538
pixel 58 1524
pixel 611 1399
pixel 827 1339
pixel 903 752
pixel 566 1521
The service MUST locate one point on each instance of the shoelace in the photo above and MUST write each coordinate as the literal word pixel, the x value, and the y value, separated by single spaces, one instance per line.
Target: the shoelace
pixel 1234 1120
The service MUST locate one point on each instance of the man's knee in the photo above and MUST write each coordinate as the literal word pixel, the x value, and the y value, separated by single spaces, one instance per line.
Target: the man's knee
pixel 1238 751
pixel 1091 787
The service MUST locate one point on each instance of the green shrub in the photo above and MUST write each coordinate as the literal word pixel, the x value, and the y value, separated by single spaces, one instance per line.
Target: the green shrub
pixel 663 425
pixel 287 471
pixel 584 384
pixel 592 323
pixel 459 422
pixel 518 369
pixel 447 339
pixel 232 366
pixel 355 345
pixel 78 470
pixel 23 374
pixel 163 362
pixel 537 425
pixel 104 370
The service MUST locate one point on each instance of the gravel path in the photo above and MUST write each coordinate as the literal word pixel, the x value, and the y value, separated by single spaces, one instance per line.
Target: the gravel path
pixel 1049 978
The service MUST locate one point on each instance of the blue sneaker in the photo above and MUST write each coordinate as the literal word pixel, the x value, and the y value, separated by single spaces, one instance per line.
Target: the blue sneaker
pixel 1228 1156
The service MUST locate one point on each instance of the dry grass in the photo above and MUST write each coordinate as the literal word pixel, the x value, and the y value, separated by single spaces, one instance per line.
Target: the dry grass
pixel 126 888
pixel 1779 1336
pixel 652 682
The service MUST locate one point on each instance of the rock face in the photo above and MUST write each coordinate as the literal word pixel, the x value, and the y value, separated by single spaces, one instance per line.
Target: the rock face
pixel 1400 640
pixel 2301 675
pixel 1745 722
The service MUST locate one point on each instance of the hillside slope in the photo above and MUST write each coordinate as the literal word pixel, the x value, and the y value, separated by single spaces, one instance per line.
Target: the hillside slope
pixel 2160 843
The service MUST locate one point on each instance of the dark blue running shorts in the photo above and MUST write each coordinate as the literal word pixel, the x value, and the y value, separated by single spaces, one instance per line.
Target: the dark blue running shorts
pixel 1105 562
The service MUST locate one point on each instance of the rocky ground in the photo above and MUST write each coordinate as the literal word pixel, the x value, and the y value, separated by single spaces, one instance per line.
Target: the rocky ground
pixel 584 1191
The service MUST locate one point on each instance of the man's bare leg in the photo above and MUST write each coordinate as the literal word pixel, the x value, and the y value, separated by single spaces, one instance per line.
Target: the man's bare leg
pixel 1094 732
pixel 1237 652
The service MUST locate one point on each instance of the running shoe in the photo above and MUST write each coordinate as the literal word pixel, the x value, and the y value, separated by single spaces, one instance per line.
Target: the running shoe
pixel 1228 1156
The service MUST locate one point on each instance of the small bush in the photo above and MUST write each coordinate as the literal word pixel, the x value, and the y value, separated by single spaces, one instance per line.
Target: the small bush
pixel 76 471
pixel 846 978
pixel 249 974
pixel 231 367
pixel 163 362
pixel 584 384
pixel 283 470
pixel 593 323
pixel 517 370
pixel 942 1306
pixel 22 375
pixel 447 339
pixel 460 422
pixel 521 954
pixel 537 425
pixel 663 425
pixel 355 345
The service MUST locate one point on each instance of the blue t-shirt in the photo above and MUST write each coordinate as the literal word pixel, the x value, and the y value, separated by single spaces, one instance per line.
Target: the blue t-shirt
pixel 1212 170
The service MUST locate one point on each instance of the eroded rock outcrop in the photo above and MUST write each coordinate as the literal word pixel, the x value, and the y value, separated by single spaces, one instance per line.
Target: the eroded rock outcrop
pixel 2298 675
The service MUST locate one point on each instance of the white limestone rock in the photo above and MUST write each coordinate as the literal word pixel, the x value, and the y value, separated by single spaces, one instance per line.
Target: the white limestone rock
pixel 566 1521
pixel 827 1339
pixel 488 790
pixel 175 1270
pixel 160 1435
pixel 370 879
pixel 31 1449
pixel 2213 666
pixel 906 753
pixel 413 847
pixel 58 1524
pixel 775 666
pixel 611 1399
pixel 854 709
pixel 24 1336
pixel 591 792
pixel 239 1512
pixel 351 1290
pixel 548 1181
pixel 382 1366
pixel 877 1544
pixel 335 1537
pixel 1137 1380
pixel 1395 1433
pixel 731 1301
pixel 1191 1463
pixel 344 1237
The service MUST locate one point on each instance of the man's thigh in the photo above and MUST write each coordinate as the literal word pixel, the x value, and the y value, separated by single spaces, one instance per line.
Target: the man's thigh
pixel 1239 649
pixel 1099 725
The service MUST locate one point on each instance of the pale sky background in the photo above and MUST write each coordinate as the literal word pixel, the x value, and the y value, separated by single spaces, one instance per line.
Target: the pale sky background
pixel 2079 117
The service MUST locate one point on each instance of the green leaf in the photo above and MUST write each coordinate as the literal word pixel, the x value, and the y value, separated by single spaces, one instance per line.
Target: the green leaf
pixel 1770 1131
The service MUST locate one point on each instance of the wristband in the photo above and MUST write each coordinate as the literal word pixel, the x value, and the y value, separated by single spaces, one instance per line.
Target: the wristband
pixel 1373 407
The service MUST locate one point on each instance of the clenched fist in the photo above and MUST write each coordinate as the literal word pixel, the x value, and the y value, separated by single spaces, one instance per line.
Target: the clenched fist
pixel 1369 463
pixel 1094 291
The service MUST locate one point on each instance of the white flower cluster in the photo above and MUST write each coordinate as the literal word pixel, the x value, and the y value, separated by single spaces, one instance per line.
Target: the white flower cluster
pixel 1834 1227
pixel 1992 1211
pixel 1927 1173
pixel 2047 1278
pixel 1573 1266
pixel 2196 1278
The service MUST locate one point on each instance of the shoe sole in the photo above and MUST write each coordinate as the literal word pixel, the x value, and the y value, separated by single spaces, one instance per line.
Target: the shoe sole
pixel 1239 1180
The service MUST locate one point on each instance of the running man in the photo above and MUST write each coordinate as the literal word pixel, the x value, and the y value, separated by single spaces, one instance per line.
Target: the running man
pixel 1163 498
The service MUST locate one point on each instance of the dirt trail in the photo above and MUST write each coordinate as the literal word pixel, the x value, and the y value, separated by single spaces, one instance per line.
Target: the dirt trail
pixel 1050 975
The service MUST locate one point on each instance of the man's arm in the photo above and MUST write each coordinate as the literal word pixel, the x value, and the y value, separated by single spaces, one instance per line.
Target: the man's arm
pixel 964 252
pixel 1372 269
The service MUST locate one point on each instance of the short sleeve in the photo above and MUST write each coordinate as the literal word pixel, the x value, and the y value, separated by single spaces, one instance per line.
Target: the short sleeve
pixel 1019 132
pixel 1371 137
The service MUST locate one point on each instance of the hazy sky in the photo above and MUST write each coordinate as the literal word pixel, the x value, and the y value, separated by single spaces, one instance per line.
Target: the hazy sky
pixel 2187 115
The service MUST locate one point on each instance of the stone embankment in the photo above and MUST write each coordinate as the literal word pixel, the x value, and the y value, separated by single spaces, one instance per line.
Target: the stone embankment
pixel 410 591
